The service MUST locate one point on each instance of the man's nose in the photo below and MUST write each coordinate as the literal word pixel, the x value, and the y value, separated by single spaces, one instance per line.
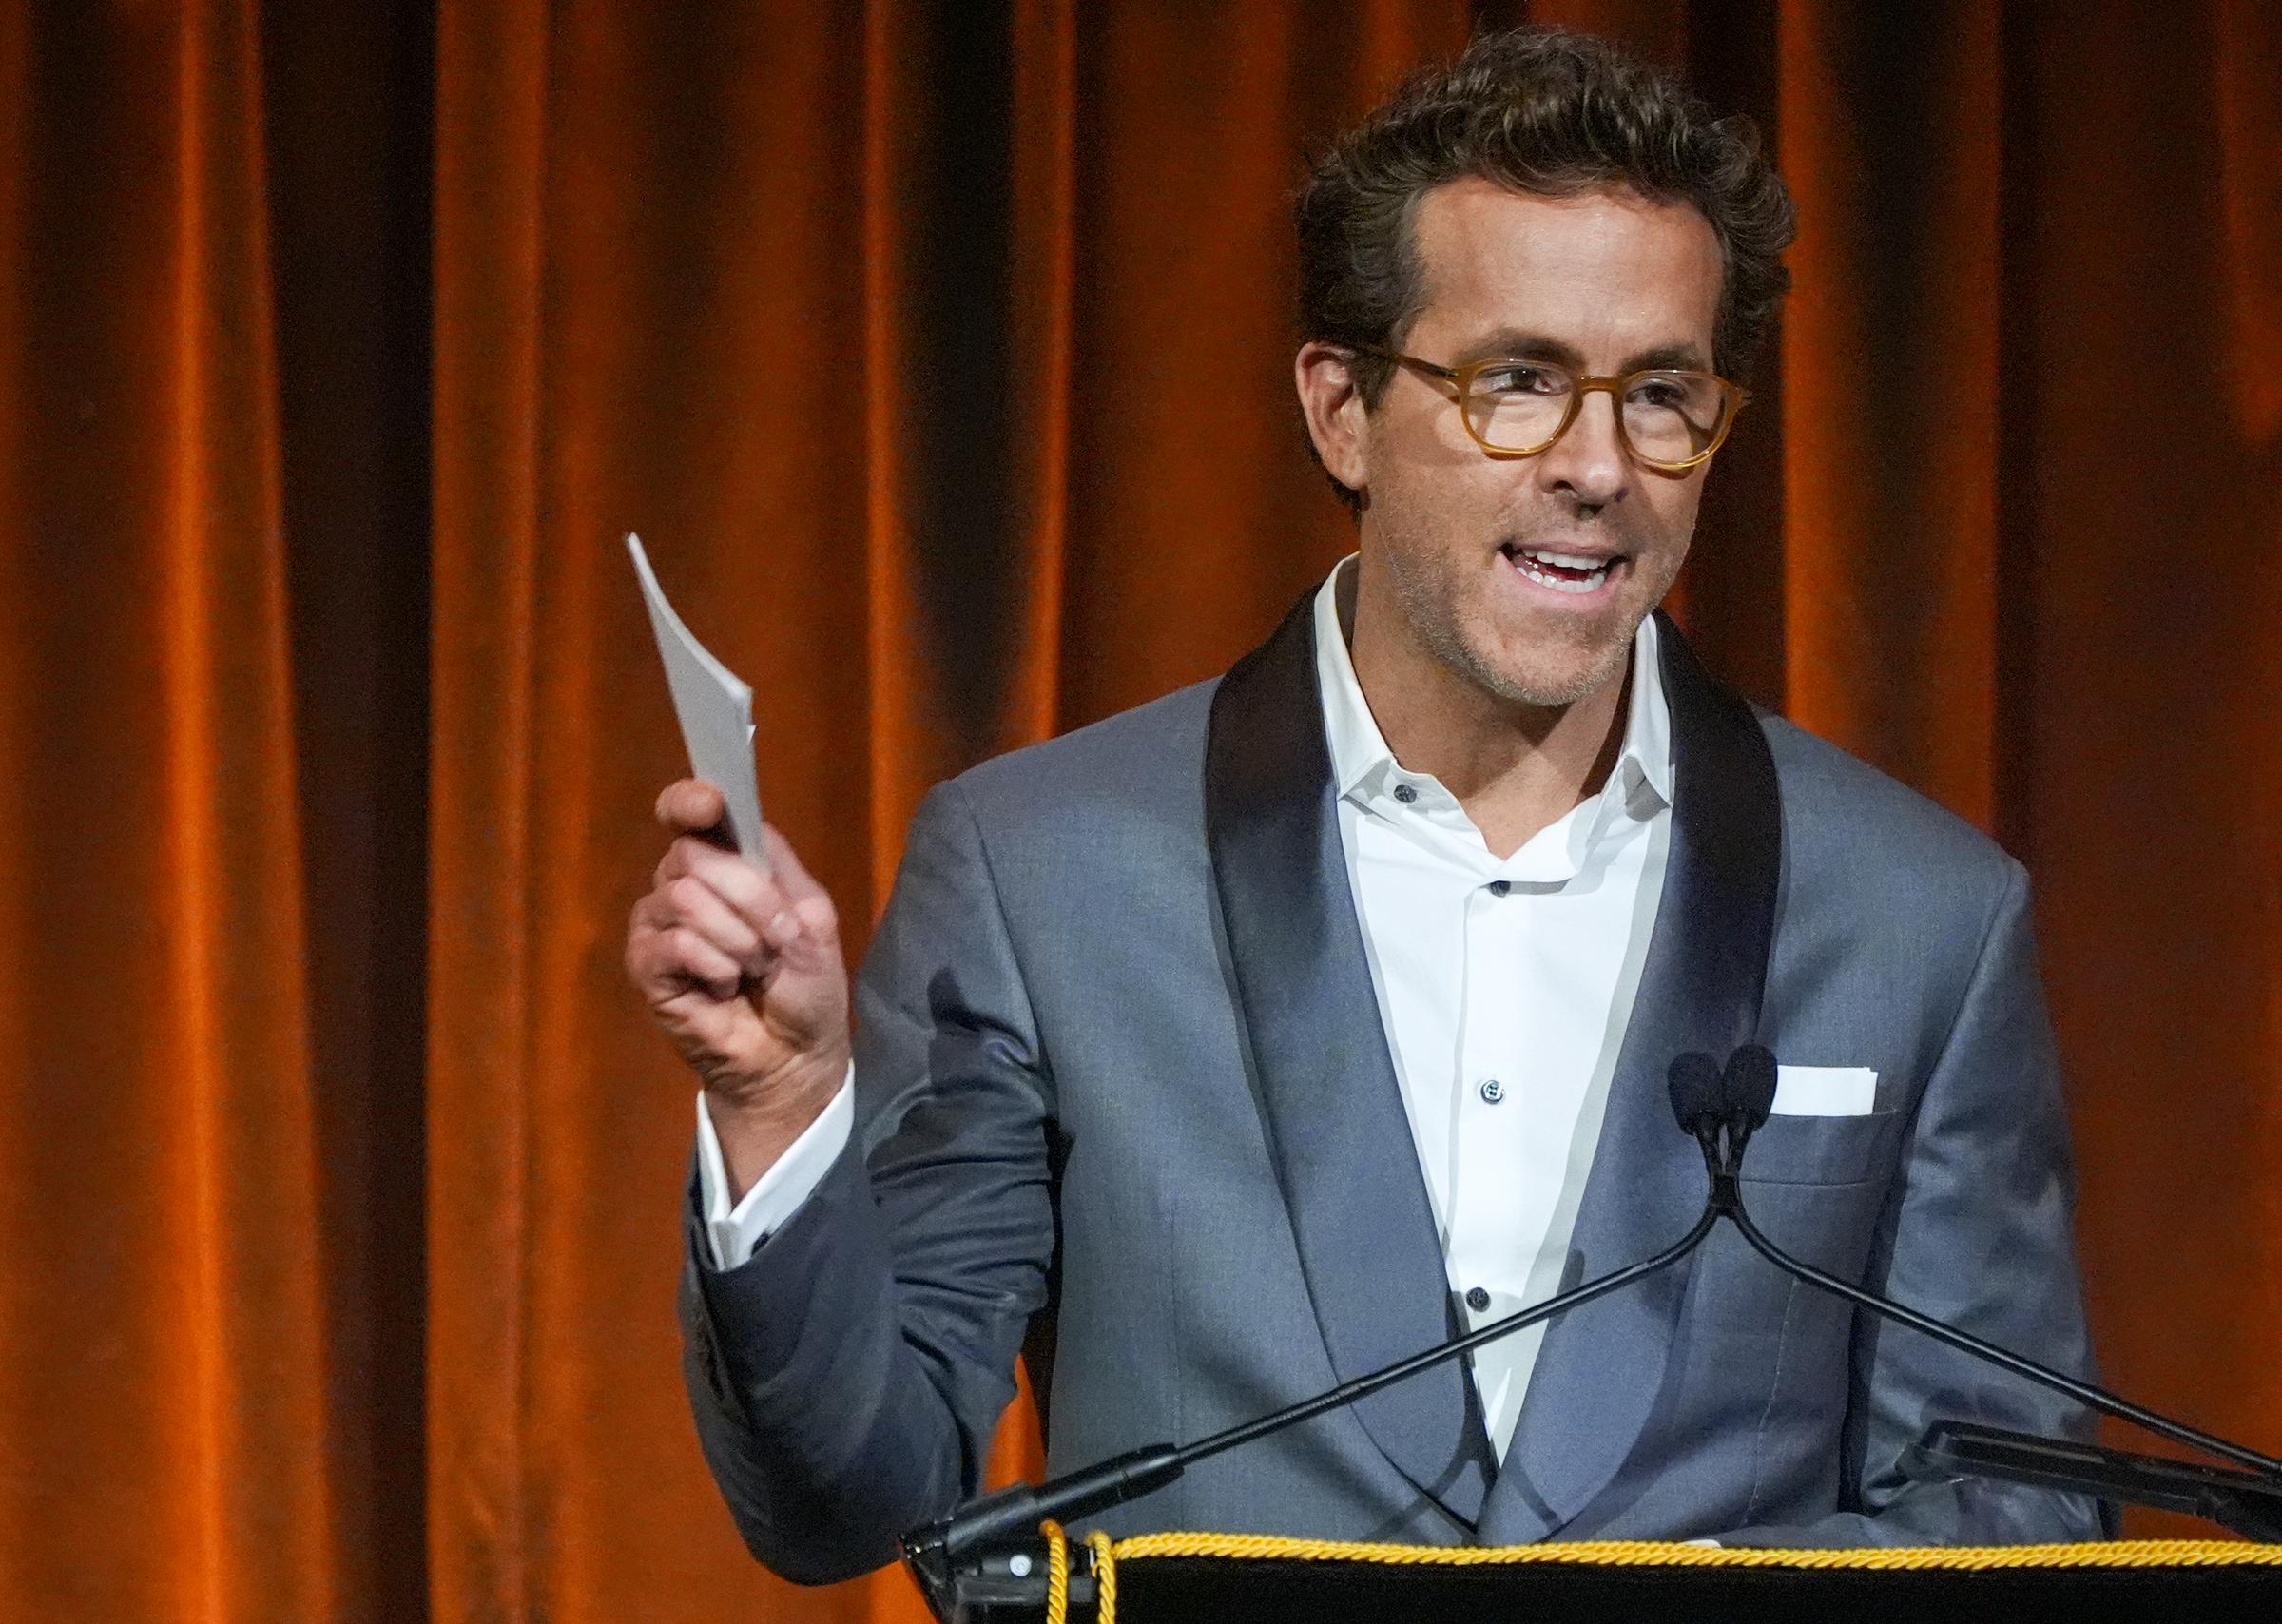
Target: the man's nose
pixel 1588 462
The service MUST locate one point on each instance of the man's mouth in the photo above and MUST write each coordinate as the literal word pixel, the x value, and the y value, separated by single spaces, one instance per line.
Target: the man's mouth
pixel 1572 572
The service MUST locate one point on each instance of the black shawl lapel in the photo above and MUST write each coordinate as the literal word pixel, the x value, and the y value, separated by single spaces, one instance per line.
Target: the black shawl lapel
pixel 1332 1109
pixel 1601 1367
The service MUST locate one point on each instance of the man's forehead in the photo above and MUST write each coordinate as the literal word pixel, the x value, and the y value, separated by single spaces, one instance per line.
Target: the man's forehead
pixel 1610 258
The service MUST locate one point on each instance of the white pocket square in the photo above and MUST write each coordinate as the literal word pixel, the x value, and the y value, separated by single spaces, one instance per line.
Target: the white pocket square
pixel 1824 1091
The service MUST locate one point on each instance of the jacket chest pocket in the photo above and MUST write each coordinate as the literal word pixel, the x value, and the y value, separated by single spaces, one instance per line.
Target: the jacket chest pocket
pixel 1822 1150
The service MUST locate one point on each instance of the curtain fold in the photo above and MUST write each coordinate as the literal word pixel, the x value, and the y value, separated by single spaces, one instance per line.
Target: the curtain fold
pixel 941 353
pixel 1891 390
pixel 493 72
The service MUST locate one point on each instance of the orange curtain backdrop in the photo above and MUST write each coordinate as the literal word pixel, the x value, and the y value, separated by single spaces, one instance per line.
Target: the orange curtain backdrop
pixel 167 1401
pixel 1893 397
pixel 2146 741
pixel 941 353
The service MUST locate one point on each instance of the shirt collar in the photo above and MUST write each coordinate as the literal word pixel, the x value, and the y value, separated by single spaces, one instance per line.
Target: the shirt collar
pixel 1359 749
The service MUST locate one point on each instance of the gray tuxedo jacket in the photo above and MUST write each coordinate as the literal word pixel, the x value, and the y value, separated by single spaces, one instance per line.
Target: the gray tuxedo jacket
pixel 1122 1092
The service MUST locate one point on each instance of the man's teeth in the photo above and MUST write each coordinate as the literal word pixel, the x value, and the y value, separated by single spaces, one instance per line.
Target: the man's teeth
pixel 1525 560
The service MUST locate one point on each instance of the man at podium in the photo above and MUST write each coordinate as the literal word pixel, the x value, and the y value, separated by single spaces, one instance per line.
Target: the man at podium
pixel 1257 1037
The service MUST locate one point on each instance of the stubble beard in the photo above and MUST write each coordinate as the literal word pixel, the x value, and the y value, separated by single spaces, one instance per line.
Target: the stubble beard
pixel 1432 606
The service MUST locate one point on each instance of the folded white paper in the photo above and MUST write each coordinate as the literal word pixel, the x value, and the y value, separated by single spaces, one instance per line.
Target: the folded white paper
pixel 715 709
pixel 1824 1091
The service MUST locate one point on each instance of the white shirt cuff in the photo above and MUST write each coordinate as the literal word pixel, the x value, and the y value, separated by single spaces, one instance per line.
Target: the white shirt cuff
pixel 733 1232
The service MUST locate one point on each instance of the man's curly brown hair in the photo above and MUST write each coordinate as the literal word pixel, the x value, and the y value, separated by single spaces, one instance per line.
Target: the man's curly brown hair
pixel 1542 110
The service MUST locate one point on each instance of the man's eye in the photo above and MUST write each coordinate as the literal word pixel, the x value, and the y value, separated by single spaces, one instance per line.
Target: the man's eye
pixel 1664 392
pixel 1518 379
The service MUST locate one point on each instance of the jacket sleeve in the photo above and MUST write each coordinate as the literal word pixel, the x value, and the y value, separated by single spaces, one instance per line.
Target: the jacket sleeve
pixel 1979 1231
pixel 848 1378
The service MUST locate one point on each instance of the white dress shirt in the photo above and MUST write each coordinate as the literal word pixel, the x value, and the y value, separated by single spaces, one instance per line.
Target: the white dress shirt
pixel 1504 987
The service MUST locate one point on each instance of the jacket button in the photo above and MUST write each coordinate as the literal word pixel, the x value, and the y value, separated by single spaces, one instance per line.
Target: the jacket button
pixel 1478 1299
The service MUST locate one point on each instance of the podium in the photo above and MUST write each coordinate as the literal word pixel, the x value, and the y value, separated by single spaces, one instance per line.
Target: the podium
pixel 1190 1578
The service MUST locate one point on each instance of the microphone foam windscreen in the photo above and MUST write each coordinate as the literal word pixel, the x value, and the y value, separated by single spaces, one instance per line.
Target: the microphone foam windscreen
pixel 1751 1081
pixel 1695 1088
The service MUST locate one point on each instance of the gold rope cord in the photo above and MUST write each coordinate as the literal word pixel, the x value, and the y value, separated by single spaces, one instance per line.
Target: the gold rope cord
pixel 1647 1553
pixel 1057 1573
pixel 1105 1578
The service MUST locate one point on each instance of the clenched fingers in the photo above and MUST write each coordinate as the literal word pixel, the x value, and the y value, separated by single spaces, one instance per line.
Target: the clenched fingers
pixel 690 902
pixel 785 906
pixel 754 897
pixel 667 955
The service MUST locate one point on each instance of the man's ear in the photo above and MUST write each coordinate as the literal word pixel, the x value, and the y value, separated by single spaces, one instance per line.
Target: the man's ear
pixel 1325 375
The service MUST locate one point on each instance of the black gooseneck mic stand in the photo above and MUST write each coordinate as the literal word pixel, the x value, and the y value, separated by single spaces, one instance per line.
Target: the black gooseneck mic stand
pixel 1013 1513
pixel 1720 1110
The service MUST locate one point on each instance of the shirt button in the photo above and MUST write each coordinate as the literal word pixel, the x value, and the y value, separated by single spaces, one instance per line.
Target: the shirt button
pixel 1492 1090
pixel 1500 887
pixel 1405 794
pixel 1478 1299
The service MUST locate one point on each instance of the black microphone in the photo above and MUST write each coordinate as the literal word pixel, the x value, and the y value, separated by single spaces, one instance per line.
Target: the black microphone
pixel 1748 1084
pixel 1749 1087
pixel 1699 1103
pixel 1699 1100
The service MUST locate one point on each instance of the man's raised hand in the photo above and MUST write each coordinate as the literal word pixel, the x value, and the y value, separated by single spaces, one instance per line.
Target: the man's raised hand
pixel 743 971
